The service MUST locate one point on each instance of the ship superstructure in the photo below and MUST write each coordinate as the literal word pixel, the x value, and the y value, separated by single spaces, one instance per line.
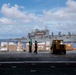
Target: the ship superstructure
pixel 44 35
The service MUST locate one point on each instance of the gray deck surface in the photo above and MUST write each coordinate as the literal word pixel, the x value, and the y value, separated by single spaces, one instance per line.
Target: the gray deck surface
pixel 40 57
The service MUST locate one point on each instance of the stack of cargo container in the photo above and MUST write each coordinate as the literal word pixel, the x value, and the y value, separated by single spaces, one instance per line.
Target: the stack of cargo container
pixel 20 46
pixel 4 46
pixel 12 46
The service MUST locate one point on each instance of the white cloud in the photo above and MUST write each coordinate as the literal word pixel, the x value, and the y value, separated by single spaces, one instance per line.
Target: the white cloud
pixel 15 13
pixel 12 31
pixel 12 12
pixel 62 14
pixel 6 21
pixel 71 6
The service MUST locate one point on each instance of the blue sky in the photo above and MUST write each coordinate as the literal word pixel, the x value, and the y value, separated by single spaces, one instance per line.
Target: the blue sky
pixel 35 3
pixel 18 17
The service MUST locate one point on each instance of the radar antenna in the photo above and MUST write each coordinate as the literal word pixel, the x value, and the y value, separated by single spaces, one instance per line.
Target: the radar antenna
pixel 46 27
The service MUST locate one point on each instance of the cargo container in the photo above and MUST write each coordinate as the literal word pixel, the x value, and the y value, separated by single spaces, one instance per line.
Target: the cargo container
pixel 12 46
pixel 69 47
pixel 4 46
pixel 20 46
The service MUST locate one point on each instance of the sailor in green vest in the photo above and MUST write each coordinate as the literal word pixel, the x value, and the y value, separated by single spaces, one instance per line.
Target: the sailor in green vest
pixel 30 46
pixel 53 45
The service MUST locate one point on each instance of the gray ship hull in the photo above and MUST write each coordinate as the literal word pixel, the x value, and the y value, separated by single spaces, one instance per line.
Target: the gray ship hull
pixel 45 40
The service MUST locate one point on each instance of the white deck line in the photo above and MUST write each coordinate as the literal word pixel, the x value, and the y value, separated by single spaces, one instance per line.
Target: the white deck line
pixel 38 62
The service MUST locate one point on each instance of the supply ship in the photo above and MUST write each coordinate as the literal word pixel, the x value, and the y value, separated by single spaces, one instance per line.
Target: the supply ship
pixel 43 36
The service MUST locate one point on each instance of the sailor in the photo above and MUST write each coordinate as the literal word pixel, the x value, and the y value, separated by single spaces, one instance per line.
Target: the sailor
pixel 30 46
pixel 53 45
pixel 36 46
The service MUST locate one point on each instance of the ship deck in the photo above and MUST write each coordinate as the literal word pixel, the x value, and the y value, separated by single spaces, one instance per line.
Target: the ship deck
pixel 43 63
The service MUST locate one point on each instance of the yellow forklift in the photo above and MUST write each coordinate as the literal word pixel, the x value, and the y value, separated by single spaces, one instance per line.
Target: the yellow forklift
pixel 58 47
